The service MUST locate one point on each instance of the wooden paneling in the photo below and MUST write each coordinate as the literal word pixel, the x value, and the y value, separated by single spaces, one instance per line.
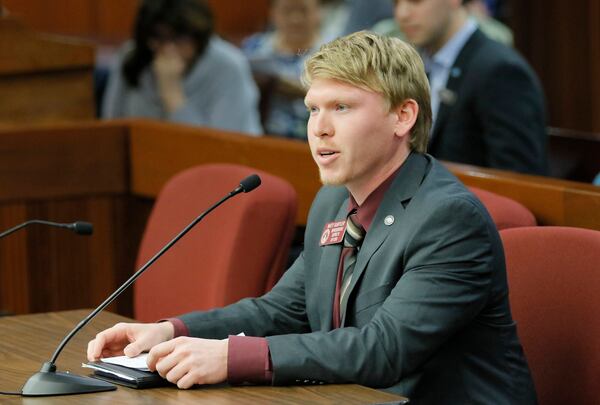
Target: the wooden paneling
pixel 43 268
pixel 43 78
pixel 561 39
pixel 52 97
pixel 70 17
pixel 57 161
pixel 25 51
pixel 108 21
pixel 574 155
pixel 159 150
pixel 111 21
pixel 114 20
pixel 237 19
pixel 64 174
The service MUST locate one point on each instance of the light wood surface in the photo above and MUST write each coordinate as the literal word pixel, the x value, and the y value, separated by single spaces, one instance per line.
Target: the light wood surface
pixel 26 341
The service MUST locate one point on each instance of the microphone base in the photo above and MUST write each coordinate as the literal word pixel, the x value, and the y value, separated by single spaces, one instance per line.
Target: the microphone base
pixel 46 383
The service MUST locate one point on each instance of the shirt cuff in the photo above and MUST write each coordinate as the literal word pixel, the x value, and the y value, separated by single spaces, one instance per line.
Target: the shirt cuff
pixel 180 328
pixel 249 360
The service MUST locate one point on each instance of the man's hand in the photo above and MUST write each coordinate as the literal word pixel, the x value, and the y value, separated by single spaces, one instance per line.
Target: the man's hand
pixel 187 361
pixel 169 68
pixel 130 339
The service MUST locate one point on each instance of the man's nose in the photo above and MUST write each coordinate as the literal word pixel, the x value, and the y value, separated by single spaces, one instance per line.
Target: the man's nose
pixel 321 125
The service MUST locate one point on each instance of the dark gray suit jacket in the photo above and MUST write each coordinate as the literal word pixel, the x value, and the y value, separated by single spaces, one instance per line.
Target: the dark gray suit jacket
pixel 493 114
pixel 428 313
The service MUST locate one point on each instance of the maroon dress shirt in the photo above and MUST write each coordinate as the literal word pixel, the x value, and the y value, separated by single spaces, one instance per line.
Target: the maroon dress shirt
pixel 248 359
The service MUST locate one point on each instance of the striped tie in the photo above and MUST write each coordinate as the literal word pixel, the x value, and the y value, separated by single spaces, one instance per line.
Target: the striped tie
pixel 352 240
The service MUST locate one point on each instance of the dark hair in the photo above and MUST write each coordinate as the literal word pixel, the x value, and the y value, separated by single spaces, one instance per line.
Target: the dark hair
pixel 191 18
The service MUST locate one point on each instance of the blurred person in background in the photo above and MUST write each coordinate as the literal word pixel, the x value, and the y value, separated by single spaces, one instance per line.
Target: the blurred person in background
pixel 277 59
pixel 477 9
pixel 487 102
pixel 176 69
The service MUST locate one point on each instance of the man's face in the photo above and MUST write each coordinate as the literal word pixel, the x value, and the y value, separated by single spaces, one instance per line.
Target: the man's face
pixel 426 23
pixel 351 134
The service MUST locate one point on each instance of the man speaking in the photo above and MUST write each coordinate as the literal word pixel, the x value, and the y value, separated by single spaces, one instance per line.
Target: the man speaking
pixel 402 282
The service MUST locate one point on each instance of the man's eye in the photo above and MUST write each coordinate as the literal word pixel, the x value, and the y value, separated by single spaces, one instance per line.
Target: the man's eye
pixel 341 107
pixel 312 110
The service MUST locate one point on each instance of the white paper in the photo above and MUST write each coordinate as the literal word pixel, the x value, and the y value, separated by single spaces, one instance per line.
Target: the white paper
pixel 104 370
pixel 138 362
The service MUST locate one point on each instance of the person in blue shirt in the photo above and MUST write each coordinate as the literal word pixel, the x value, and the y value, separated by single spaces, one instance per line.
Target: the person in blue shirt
pixel 177 70
pixel 277 58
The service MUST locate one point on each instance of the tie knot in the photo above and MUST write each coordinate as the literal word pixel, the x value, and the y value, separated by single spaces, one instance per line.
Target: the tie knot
pixel 355 233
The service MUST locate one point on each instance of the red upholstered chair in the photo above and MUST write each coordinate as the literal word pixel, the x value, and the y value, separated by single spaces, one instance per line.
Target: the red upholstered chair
pixel 554 280
pixel 239 250
pixel 505 212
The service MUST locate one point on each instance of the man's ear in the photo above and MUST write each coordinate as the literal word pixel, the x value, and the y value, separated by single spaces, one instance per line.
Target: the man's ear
pixel 406 113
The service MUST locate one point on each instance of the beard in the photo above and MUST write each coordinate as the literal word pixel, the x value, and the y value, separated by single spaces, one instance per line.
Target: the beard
pixel 333 179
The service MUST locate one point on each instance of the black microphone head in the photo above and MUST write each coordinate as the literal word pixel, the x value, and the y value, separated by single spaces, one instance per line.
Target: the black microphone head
pixel 83 228
pixel 250 183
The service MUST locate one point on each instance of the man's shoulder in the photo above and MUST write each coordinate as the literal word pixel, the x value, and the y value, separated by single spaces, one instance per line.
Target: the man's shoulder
pixel 488 53
pixel 441 188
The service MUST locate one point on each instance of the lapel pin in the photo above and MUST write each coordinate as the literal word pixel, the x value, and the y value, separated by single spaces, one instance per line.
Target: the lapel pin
pixel 447 96
pixel 388 220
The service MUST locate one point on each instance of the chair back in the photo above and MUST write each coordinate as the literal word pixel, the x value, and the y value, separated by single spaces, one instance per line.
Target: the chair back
pixel 505 212
pixel 239 250
pixel 554 280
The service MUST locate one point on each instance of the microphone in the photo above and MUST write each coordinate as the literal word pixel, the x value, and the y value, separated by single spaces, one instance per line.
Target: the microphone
pixel 248 184
pixel 79 227
pixel 50 382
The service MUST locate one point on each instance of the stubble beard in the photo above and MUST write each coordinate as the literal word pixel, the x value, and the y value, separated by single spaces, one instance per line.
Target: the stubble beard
pixel 332 180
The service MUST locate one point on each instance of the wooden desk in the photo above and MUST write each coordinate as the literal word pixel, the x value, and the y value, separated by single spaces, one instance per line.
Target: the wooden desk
pixel 26 341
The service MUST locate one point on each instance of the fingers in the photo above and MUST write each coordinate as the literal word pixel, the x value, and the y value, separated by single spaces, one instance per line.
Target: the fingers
pixel 188 361
pixel 96 346
pixel 171 368
pixel 186 381
pixel 159 351
pixel 108 342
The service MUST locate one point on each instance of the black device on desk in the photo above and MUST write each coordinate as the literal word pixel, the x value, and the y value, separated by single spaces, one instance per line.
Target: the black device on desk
pixel 129 377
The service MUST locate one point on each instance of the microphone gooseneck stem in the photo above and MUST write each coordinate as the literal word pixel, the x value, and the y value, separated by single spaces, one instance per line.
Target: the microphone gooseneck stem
pixel 138 273
pixel 33 221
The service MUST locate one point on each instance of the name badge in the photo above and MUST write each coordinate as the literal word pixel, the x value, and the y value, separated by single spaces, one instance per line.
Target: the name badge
pixel 333 233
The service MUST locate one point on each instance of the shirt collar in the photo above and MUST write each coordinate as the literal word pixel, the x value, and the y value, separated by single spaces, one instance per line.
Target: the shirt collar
pixel 366 212
pixel 446 56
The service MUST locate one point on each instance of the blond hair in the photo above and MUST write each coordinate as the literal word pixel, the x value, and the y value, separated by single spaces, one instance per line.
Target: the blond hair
pixel 384 65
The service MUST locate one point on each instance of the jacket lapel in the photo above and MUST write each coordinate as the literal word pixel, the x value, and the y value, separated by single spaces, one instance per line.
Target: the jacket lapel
pixel 403 188
pixel 455 79
pixel 328 265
